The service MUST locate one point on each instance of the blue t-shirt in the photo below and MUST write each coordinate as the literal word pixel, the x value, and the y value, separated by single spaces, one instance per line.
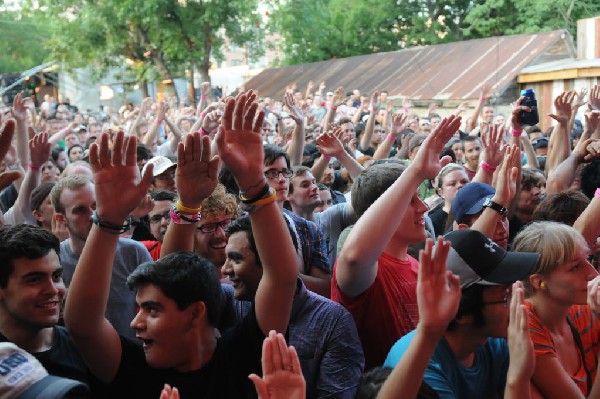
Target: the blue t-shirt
pixel 450 379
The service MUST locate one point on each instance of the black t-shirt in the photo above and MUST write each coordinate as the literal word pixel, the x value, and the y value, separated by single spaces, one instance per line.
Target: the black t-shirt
pixel 237 354
pixel 63 360
pixel 439 218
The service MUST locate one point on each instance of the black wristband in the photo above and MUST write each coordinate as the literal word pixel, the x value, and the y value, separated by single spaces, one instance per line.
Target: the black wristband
pixel 110 227
pixel 263 193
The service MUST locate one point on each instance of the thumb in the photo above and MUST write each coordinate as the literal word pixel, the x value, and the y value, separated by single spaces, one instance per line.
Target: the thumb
pixel 553 117
pixel 260 385
pixel 445 160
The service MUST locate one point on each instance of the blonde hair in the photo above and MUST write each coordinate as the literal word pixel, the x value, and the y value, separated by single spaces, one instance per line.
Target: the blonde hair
pixel 556 243
pixel 451 167
pixel 73 182
pixel 220 201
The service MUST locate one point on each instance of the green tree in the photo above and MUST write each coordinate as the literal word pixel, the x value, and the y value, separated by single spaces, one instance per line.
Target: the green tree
pixel 22 45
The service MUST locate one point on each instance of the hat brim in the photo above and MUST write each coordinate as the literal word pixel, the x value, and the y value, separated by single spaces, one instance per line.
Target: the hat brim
pixel 54 387
pixel 477 206
pixel 514 267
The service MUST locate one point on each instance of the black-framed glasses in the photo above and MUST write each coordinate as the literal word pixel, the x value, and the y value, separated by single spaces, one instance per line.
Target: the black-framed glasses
pixel 274 173
pixel 212 227
pixel 158 218
pixel 505 301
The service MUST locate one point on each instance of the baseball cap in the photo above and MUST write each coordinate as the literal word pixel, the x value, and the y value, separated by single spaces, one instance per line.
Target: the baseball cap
pixel 469 199
pixel 22 376
pixel 540 142
pixel 476 259
pixel 161 164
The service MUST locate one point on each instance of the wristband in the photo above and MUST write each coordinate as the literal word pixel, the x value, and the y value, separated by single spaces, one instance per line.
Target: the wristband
pixel 203 132
pixel 326 157
pixel 391 138
pixel 202 115
pixel 516 133
pixel 111 228
pixel 265 191
pixel 203 97
pixel 487 167
pixel 250 208
pixel 181 208
pixel 158 120
pixel 481 100
pixel 34 167
pixel 372 112
pixel 178 218
pixel 333 108
pixel 597 193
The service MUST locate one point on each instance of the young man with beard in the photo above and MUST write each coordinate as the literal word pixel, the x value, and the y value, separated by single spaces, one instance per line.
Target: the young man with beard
pixel 179 295
pixel 374 277
pixel 74 201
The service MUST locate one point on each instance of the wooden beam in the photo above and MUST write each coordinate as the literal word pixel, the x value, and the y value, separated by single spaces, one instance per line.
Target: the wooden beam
pixel 558 75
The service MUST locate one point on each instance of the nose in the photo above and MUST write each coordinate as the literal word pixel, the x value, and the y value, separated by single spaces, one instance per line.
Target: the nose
pixel 591 270
pixel 421 206
pixel 138 323
pixel 226 268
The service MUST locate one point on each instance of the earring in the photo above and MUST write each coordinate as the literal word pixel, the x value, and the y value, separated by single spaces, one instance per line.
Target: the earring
pixel 543 285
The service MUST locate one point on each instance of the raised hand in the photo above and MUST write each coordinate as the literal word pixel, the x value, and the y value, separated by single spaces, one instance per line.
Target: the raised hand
pixel 329 144
pixel 579 99
pixel 486 92
pixel 239 141
pixel 6 136
pixel 399 123
pixel 146 103
pixel 117 173
pixel 506 184
pixel 516 122
pixel 169 393
pixel 375 102
pixel 161 110
pixel 522 357
pixel 197 173
pixel 594 101
pixel 39 149
pixel 438 290
pixel 205 89
pixel 19 108
pixel 462 107
pixel 592 120
pixel 492 145
pixel 338 97
pixel 322 86
pixel 427 161
pixel 295 111
pixel 562 104
pixel 282 374
pixel 143 208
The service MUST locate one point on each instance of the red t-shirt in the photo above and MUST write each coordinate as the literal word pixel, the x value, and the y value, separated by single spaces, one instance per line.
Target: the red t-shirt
pixel 387 310
pixel 153 247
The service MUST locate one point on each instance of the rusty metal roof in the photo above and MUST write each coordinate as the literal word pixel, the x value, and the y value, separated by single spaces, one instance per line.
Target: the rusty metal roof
pixel 445 71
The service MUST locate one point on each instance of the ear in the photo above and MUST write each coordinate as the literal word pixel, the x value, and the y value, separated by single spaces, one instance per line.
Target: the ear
pixel 198 314
pixel 60 218
pixel 462 226
pixel 464 320
pixel 37 215
pixel 536 281
pixel 439 192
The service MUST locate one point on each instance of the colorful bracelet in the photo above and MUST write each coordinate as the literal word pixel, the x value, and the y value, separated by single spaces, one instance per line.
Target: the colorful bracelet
pixel 202 97
pixel 251 208
pixel 481 100
pixel 391 138
pixel 34 167
pixel 182 208
pixel 203 132
pixel 158 120
pixel 487 167
pixel 265 191
pixel 333 108
pixel 111 228
pixel 516 133
pixel 179 218
pixel 597 193
pixel 326 157
pixel 266 200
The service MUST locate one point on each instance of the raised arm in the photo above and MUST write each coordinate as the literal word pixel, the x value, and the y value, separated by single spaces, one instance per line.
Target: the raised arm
pixel 6 135
pixel 133 130
pixel 438 296
pixel 330 146
pixel 587 223
pixel 95 338
pixel 176 134
pixel 486 92
pixel 559 146
pixel 296 148
pixel 196 177
pixel 241 149
pixel 365 140
pixel 151 135
pixel 398 125
pixel 357 263
pixel 19 112
pixel 336 101
pixel 492 154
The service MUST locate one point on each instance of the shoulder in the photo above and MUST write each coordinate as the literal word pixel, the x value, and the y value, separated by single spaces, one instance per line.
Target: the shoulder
pixel 398 350
pixel 129 246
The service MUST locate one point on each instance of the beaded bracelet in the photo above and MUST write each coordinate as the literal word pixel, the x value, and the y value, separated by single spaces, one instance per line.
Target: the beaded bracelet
pixel 261 194
pixel 179 218
pixel 182 208
pixel 111 228
pixel 487 167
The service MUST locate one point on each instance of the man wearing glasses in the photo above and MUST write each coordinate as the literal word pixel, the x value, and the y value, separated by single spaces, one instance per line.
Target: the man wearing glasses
pixel 159 218
pixel 313 264
pixel 218 211
pixel 164 173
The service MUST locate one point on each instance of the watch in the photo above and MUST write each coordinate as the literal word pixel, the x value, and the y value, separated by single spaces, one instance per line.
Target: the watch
pixel 488 203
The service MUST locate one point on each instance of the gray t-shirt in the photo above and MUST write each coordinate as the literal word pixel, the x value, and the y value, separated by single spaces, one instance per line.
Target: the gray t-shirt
pixel 332 222
pixel 120 308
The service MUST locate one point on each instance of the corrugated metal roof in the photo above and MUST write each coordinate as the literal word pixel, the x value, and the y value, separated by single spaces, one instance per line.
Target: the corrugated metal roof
pixel 446 71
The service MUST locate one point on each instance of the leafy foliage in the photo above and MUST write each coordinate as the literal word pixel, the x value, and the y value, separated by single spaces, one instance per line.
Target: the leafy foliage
pixel 22 44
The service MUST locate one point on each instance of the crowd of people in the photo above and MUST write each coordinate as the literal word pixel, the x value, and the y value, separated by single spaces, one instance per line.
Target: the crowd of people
pixel 330 245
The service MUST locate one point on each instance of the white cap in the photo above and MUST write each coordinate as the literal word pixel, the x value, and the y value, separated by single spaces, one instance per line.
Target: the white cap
pixel 161 164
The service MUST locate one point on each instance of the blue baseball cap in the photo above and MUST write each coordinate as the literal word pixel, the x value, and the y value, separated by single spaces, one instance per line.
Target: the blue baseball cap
pixel 469 199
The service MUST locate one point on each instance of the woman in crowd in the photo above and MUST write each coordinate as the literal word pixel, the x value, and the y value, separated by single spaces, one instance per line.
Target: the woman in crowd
pixel 447 183
pixel 564 327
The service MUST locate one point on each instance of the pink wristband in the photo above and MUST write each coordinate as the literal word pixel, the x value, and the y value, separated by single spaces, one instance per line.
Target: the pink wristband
pixel 326 157
pixel 481 100
pixel 34 167
pixel 391 138
pixel 203 97
pixel 373 112
pixel 158 120
pixel 516 133
pixel 203 132
pixel 333 108
pixel 597 193
pixel 202 115
pixel 487 167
